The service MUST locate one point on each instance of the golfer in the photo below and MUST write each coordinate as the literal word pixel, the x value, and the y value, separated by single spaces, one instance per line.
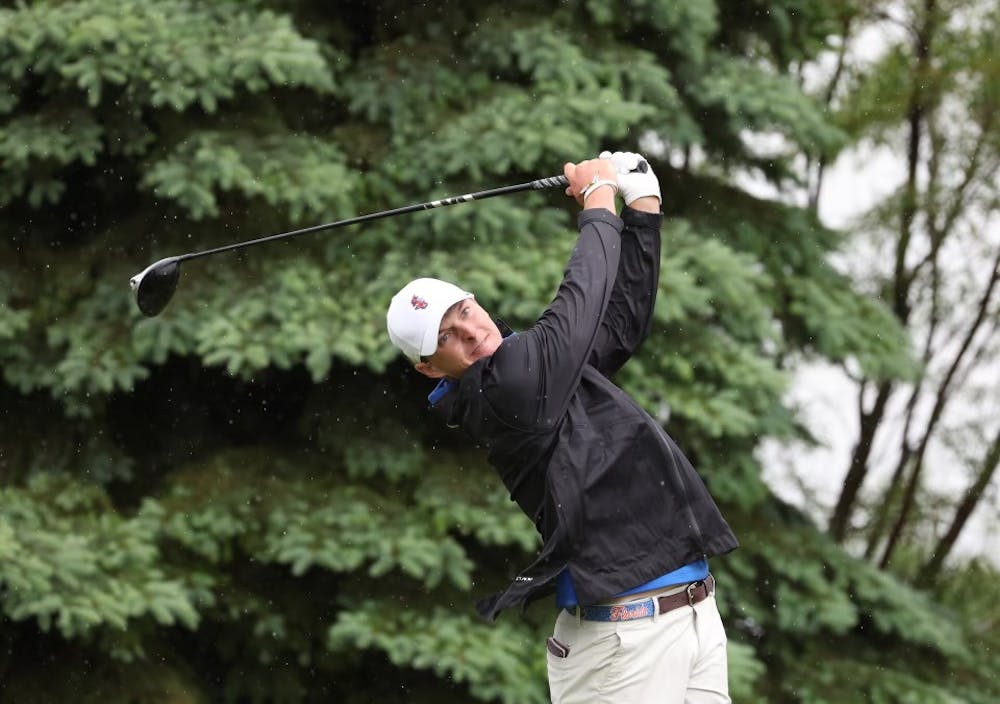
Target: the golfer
pixel 627 525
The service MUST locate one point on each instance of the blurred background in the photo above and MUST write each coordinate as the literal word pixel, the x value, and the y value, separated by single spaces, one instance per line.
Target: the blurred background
pixel 245 498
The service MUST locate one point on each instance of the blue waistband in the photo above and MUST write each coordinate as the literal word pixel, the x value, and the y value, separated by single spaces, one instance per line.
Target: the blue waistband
pixel 691 572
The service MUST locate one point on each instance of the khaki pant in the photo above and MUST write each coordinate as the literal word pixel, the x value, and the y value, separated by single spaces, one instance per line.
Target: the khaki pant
pixel 674 658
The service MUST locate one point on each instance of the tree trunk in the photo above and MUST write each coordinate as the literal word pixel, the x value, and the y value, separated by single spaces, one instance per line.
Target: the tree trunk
pixel 889 501
pixel 869 424
pixel 932 568
pixel 901 281
pixel 943 397
pixel 831 89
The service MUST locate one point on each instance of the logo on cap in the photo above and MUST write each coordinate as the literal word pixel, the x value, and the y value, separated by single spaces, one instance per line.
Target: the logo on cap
pixel 418 303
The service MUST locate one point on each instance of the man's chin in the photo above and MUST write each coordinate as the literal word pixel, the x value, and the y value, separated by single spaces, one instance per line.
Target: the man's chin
pixel 487 348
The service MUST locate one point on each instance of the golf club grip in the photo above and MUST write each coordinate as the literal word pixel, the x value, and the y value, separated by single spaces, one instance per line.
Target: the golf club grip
pixel 537 185
pixel 550 182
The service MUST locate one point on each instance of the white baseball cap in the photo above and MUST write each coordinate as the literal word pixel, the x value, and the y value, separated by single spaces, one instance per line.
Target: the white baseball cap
pixel 414 316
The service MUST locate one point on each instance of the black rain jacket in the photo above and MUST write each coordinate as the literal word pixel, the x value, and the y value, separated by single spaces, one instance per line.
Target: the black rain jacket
pixel 613 497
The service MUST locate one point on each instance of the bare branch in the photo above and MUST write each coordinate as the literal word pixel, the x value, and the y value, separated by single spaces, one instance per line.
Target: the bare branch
pixel 943 396
pixel 987 469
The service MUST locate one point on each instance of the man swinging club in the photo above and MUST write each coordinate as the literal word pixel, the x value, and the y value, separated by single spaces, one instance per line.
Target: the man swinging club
pixel 627 525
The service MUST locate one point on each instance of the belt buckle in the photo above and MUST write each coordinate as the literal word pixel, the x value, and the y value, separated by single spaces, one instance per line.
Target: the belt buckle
pixel 691 590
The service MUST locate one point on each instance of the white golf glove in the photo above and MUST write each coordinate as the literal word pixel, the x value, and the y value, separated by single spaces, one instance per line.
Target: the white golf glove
pixel 635 176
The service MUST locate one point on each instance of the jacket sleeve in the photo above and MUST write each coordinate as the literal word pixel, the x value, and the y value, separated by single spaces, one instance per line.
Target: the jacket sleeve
pixel 533 376
pixel 629 315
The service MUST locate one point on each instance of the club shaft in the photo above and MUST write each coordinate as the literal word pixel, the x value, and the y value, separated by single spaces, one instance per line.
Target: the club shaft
pixel 536 185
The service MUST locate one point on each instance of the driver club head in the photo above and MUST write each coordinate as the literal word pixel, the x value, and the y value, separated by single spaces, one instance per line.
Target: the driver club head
pixel 155 285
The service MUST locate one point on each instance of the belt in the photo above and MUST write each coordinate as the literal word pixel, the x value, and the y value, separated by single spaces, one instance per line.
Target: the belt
pixel 694 593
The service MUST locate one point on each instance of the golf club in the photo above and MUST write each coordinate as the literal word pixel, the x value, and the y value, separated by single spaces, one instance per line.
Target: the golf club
pixel 155 285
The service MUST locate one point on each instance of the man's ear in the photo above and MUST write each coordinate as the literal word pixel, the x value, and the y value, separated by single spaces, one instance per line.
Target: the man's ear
pixel 428 370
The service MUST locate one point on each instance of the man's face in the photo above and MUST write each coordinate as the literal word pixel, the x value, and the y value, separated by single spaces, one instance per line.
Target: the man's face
pixel 466 333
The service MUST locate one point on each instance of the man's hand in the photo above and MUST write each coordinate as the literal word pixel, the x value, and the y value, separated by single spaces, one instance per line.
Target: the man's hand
pixel 593 183
pixel 636 179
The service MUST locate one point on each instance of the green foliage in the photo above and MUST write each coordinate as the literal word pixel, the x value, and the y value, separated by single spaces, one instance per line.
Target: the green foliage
pixel 490 659
pixel 69 562
pixel 685 27
pixel 490 518
pixel 165 54
pixel 875 103
pixel 12 321
pixel 306 525
pixel 78 355
pixel 302 173
pixel 819 311
pixel 787 32
pixel 714 323
pixel 125 58
pixel 751 99
pixel 970 590
pixel 34 147
pixel 516 130
pixel 846 613
pixel 846 681
pixel 744 671
pixel 838 321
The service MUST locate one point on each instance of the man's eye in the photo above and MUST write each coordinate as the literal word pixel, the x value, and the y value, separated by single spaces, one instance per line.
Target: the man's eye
pixel 443 339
